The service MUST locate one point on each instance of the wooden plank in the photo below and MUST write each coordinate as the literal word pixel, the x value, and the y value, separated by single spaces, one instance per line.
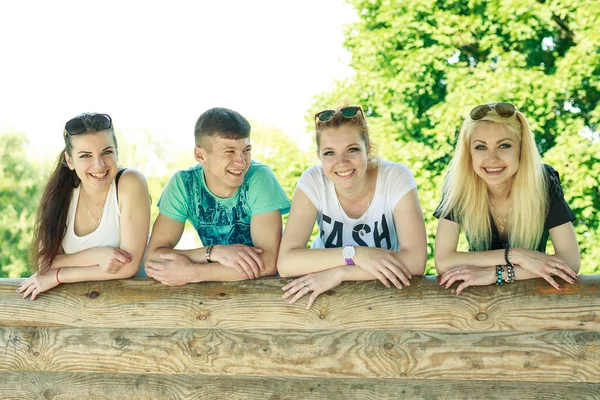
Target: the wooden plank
pixel 48 386
pixel 551 356
pixel 524 305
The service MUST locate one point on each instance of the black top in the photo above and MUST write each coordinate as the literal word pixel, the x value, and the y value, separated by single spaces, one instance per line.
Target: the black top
pixel 559 212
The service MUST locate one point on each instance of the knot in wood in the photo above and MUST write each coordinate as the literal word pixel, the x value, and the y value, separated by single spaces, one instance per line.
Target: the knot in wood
pixel 388 346
pixel 481 316
pixel 35 353
pixel 201 317
pixel 321 316
pixel 93 295
pixel 49 394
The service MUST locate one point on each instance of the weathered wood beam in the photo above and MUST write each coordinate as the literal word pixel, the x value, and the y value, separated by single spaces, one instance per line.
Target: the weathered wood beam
pixel 525 305
pixel 551 356
pixel 48 386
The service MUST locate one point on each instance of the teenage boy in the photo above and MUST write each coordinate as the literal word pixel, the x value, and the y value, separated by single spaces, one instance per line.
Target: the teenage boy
pixel 235 204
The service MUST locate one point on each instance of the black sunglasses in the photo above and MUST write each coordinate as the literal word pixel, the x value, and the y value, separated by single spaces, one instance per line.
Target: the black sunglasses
pixel 347 112
pixel 99 122
pixel 505 110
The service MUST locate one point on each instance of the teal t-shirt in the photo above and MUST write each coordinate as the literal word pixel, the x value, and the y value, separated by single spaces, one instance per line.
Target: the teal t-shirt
pixel 222 220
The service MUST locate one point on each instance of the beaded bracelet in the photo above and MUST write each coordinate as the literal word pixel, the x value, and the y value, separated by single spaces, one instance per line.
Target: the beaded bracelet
pixel 506 258
pixel 510 272
pixel 499 275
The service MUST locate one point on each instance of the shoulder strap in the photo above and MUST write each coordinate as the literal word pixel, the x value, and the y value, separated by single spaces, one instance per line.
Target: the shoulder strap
pixel 117 181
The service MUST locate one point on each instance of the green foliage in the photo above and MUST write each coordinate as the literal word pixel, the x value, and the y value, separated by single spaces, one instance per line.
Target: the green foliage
pixel 421 65
pixel 20 190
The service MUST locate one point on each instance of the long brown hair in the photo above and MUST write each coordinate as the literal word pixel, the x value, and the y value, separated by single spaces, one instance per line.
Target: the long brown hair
pixel 51 221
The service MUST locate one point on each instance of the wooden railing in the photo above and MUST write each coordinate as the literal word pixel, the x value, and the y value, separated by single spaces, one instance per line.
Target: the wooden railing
pixel 137 339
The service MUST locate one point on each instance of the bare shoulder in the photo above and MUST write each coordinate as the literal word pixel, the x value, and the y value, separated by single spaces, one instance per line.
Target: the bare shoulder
pixel 132 179
pixel 132 184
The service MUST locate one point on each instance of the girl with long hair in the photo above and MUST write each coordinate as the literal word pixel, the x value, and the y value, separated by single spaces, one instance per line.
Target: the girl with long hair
pixel 507 202
pixel 367 210
pixel 94 216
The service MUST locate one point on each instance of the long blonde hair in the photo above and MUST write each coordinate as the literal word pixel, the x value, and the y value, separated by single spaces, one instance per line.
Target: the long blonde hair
pixel 465 194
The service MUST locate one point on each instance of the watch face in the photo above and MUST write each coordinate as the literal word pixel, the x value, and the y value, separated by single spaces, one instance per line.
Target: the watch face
pixel 348 252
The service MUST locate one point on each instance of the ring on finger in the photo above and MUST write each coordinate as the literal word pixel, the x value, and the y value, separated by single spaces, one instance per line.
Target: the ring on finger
pixel 554 271
pixel 458 271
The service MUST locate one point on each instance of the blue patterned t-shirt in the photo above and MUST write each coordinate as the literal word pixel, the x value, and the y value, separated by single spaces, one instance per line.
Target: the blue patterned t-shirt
pixel 222 220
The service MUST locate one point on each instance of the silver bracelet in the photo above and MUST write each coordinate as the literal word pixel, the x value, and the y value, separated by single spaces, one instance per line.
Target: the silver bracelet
pixel 207 253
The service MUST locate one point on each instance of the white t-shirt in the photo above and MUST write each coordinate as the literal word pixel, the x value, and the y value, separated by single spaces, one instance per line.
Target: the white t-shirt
pixel 108 232
pixel 394 180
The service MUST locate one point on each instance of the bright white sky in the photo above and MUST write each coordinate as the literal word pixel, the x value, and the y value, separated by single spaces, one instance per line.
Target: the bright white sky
pixel 159 65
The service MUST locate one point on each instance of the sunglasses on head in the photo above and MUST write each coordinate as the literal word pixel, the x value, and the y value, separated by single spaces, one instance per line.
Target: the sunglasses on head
pixel 347 112
pixel 505 110
pixel 77 126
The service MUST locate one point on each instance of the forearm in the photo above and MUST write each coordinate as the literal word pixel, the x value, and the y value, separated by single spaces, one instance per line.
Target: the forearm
pixel 197 256
pixel 355 273
pixel 299 262
pixel 215 272
pixel 94 273
pixel 449 260
pixel 85 258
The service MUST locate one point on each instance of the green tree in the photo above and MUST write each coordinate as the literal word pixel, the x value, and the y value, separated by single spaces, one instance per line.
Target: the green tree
pixel 421 65
pixel 20 191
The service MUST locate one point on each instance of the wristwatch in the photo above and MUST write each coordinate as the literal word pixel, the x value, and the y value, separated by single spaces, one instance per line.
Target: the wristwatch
pixel 348 252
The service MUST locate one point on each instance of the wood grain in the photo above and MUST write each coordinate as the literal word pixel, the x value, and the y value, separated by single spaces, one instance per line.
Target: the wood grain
pixel 551 356
pixel 142 303
pixel 76 386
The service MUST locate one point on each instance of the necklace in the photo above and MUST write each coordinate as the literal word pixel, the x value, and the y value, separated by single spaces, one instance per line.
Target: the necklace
pixel 361 225
pixel 502 222
pixel 89 211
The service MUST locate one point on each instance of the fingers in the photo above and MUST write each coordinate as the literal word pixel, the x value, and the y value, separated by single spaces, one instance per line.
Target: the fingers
pixel 568 271
pixel 252 265
pixel 400 271
pixel 122 256
pixel 294 283
pixel 294 287
pixel 254 253
pixel 463 286
pixel 299 294
pixel 563 275
pixel 34 293
pixel 389 273
pixel 28 291
pixel 244 269
pixel 312 299
pixel 551 281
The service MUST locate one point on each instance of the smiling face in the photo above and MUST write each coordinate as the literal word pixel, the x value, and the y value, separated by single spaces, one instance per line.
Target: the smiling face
pixel 495 153
pixel 94 159
pixel 225 163
pixel 344 156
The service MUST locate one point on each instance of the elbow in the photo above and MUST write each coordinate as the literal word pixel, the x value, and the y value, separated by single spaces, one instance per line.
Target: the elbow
pixel 282 267
pixel 441 265
pixel 270 269
pixel 576 265
pixel 128 271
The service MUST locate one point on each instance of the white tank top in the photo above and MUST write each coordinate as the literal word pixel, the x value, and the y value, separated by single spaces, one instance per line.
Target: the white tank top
pixel 108 232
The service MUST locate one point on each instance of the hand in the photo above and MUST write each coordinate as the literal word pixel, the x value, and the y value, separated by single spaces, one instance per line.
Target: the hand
pixel 543 265
pixel 38 283
pixel 472 276
pixel 382 264
pixel 178 270
pixel 318 283
pixel 244 259
pixel 112 259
